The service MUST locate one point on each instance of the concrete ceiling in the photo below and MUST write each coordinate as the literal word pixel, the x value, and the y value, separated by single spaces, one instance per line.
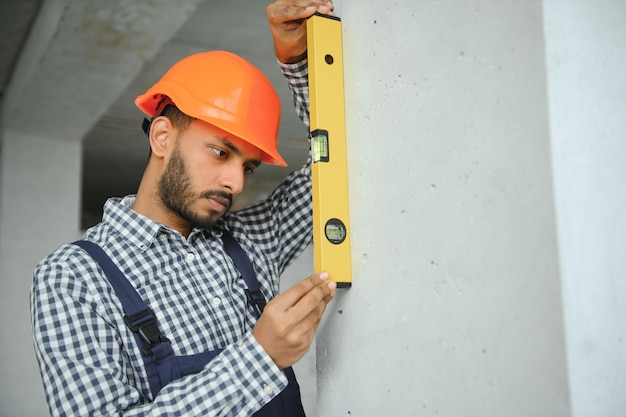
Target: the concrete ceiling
pixel 115 148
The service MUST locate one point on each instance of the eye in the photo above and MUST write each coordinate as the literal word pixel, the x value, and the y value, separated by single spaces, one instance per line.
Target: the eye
pixel 220 153
pixel 248 169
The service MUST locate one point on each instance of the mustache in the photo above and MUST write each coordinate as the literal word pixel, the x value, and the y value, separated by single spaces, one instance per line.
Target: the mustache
pixel 221 195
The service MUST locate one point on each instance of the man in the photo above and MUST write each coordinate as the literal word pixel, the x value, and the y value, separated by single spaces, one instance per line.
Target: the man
pixel 199 345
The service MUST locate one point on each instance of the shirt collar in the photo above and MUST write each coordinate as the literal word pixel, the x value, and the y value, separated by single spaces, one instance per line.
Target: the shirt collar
pixel 137 229
pixel 140 230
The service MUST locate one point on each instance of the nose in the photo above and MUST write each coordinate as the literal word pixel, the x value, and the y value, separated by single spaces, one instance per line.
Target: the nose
pixel 233 178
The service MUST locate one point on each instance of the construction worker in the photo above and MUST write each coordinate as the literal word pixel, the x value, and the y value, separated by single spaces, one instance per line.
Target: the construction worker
pixel 161 308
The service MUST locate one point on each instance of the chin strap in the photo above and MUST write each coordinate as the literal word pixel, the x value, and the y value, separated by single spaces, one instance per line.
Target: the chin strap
pixel 146 123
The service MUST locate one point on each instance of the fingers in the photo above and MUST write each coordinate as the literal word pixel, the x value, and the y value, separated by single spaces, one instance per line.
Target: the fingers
pixel 309 324
pixel 309 309
pixel 287 23
pixel 318 294
pixel 287 14
pixel 294 294
pixel 305 301
pixel 282 11
pixel 289 322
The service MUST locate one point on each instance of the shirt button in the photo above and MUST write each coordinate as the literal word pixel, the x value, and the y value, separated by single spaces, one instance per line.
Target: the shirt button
pixel 217 301
pixel 268 389
pixel 190 256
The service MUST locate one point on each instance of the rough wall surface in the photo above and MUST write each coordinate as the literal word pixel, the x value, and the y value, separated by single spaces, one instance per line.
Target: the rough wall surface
pixel 456 303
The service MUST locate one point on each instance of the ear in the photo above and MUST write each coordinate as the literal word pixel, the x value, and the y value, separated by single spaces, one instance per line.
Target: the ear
pixel 162 136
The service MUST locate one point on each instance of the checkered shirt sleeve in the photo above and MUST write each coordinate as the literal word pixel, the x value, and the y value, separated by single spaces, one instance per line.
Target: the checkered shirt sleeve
pixel 89 361
pixel 298 79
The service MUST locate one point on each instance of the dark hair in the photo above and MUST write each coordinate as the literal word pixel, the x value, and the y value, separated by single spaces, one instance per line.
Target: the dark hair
pixel 179 119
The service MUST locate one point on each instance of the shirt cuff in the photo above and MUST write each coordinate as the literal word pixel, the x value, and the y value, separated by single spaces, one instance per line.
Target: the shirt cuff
pixel 263 379
pixel 297 69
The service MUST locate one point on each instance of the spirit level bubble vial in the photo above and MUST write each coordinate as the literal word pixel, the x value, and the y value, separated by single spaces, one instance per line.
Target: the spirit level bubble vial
pixel 331 217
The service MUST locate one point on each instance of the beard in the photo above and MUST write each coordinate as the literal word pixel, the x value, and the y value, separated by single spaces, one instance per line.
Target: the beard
pixel 176 195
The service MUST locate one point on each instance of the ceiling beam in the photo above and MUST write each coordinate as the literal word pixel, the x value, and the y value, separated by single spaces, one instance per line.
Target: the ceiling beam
pixel 80 56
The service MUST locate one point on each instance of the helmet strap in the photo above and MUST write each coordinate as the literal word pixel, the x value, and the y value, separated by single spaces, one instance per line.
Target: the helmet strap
pixel 146 123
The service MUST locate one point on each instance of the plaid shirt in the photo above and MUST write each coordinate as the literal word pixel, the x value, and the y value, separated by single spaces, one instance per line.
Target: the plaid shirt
pixel 89 360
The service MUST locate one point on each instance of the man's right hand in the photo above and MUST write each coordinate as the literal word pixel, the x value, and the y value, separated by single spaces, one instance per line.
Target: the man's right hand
pixel 287 19
pixel 289 321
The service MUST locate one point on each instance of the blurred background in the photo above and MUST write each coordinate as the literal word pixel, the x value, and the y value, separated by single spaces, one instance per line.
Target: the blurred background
pixel 115 149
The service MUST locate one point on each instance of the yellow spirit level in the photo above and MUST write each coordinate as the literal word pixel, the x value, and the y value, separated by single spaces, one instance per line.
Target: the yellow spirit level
pixel 331 217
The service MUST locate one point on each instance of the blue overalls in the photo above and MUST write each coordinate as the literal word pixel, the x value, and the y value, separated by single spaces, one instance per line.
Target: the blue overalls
pixel 162 366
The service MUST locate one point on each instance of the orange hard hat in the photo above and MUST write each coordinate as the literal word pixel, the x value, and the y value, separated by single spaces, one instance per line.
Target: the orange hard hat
pixel 226 91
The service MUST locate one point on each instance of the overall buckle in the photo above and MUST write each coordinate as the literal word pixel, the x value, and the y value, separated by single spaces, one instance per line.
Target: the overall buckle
pixel 256 299
pixel 145 325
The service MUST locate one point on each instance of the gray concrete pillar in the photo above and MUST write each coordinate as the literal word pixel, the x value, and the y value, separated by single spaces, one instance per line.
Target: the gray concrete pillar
pixel 586 62
pixel 39 209
pixel 456 303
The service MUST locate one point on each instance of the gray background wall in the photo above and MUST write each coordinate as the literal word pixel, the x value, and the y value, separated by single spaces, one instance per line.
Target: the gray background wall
pixel 586 58
pixel 456 307
pixel 487 162
pixel 487 156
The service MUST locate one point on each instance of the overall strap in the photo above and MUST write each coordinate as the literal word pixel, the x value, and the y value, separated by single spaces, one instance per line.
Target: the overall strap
pixel 288 402
pixel 140 319
pixel 244 265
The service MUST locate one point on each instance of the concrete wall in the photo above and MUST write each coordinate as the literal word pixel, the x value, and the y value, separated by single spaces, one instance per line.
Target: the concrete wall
pixel 456 307
pixel 39 208
pixel 586 72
